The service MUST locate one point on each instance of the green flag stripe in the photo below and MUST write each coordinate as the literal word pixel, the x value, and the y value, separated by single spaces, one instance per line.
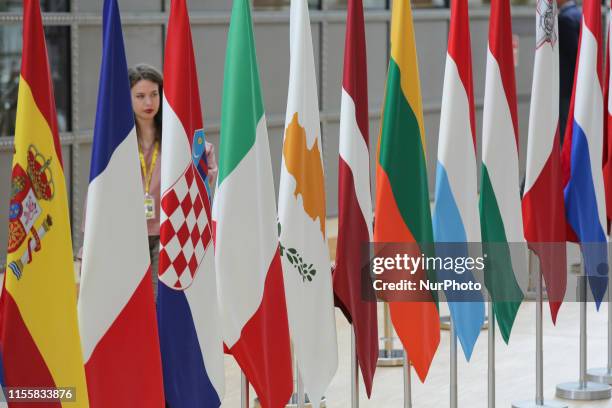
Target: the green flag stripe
pixel 499 275
pixel 242 106
pixel 403 159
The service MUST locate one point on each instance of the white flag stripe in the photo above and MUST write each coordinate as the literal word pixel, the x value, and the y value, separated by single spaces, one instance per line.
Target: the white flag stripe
pixel 500 152
pixel 456 149
pixel 544 112
pixel 105 287
pixel 257 223
pixel 175 146
pixel 354 151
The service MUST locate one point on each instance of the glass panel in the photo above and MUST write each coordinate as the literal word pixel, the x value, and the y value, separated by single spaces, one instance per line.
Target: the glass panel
pixel 45 5
pixel 58 46
pixel 281 4
pixel 367 4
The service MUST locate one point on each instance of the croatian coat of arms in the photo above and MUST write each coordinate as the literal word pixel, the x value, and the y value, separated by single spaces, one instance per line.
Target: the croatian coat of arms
pixel 27 221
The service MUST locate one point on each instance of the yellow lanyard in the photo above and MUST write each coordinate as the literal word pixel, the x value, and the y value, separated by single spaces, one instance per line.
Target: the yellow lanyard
pixel 148 173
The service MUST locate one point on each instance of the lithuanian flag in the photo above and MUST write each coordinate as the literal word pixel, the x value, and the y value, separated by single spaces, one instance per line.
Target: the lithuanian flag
pixel 402 197
pixel 39 334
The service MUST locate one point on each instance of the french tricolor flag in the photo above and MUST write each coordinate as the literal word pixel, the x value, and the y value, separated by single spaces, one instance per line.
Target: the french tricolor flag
pixel 585 206
pixel 116 306
pixel 189 325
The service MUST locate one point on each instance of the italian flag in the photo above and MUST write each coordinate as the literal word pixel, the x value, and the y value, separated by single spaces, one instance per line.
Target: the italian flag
pixel 249 275
pixel 402 196
pixel 500 205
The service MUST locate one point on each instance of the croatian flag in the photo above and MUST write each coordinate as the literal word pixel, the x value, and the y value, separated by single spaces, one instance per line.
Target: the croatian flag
pixel 585 206
pixel 455 220
pixel 116 306
pixel 189 326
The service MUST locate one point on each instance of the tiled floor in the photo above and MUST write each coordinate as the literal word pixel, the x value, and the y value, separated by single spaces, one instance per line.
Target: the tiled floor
pixel 515 366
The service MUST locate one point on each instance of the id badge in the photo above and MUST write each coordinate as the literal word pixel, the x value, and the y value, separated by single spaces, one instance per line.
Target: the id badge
pixel 149 205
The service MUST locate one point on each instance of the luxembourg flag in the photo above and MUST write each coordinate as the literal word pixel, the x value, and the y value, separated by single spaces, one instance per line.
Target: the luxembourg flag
pixel 116 306
pixel 543 206
pixel 456 207
pixel 585 207
pixel 189 325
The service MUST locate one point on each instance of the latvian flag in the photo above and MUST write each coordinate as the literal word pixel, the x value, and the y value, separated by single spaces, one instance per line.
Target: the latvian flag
pixel 189 327
pixel 116 306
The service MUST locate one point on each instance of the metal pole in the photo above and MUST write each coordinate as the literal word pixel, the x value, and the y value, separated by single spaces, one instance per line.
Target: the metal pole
pixel 539 343
pixel 407 381
pixel 354 372
pixel 604 375
pixel 583 390
pixel 387 330
pixel 453 366
pixel 389 357
pixel 244 396
pixel 300 388
pixel 583 335
pixel 539 397
pixel 491 372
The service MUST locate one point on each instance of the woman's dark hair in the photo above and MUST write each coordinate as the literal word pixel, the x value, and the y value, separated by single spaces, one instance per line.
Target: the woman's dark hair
pixel 147 72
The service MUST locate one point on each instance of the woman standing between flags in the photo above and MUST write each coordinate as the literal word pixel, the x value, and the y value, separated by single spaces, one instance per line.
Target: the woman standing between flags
pixel 146 85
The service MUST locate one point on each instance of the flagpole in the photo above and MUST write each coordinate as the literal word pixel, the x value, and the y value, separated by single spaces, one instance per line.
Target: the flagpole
pixel 604 375
pixel 244 395
pixel 539 397
pixel 583 390
pixel 388 356
pixel 407 381
pixel 301 397
pixel 354 372
pixel 453 366
pixel 491 351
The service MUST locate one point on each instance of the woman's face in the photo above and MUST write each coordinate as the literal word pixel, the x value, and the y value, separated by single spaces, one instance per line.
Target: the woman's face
pixel 145 99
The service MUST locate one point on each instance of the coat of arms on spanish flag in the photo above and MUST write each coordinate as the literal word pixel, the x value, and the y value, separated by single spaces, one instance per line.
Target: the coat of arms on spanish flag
pixel 39 336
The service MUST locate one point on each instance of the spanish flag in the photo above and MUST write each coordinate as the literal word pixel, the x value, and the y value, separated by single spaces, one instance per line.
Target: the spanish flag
pixel 402 196
pixel 39 334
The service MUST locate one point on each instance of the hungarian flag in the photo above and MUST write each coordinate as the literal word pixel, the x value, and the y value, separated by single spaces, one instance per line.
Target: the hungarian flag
pixel 251 290
pixel 355 202
pixel 585 200
pixel 402 194
pixel 303 240
pixel 455 220
pixel 500 201
pixel 116 306
pixel 39 333
pixel 543 206
pixel 187 308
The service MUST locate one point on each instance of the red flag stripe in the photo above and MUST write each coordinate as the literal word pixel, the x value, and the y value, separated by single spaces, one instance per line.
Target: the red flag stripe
pixel 185 100
pixel 355 77
pixel 109 380
pixel 460 50
pixel 35 67
pixel 500 45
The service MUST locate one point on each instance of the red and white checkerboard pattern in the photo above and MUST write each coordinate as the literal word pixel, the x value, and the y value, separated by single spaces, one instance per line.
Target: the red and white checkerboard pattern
pixel 184 233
